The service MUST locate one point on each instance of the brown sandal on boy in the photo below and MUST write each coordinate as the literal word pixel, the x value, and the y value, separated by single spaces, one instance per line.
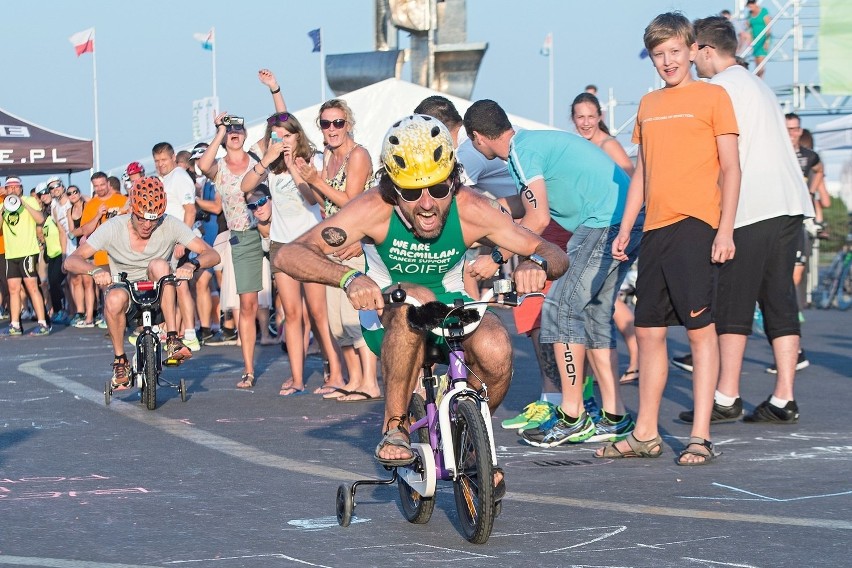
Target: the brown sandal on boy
pixel 638 449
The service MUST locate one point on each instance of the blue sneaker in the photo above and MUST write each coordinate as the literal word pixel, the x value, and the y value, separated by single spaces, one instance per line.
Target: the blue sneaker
pixel 40 330
pixel 608 431
pixel 592 409
pixel 559 431
pixel 12 331
pixel 61 318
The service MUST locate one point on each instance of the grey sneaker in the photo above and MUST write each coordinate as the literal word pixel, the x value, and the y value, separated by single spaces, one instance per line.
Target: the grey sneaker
pixel 720 415
pixel 559 431
pixel 608 431
pixel 222 338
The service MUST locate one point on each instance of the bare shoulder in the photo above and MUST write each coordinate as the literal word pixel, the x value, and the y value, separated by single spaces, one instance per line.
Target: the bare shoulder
pixel 475 207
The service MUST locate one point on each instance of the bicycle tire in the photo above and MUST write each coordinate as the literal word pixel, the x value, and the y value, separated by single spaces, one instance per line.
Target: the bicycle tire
pixel 843 297
pixel 825 294
pixel 416 508
pixel 150 372
pixel 474 485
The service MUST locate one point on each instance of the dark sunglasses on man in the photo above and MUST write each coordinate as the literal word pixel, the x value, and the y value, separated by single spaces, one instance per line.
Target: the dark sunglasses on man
pixel 437 191
pixel 55 185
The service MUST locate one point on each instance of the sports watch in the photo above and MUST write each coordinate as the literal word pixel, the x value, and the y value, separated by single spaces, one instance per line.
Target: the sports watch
pixel 497 256
pixel 539 260
pixel 194 262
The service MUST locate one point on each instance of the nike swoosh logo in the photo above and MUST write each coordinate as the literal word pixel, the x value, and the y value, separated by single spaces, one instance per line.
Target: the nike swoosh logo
pixel 694 314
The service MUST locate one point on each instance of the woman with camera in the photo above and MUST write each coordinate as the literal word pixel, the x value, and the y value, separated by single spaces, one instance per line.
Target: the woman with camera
pixel 246 251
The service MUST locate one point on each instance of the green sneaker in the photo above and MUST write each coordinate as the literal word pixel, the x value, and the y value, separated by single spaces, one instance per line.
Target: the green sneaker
pixel 559 431
pixel 537 412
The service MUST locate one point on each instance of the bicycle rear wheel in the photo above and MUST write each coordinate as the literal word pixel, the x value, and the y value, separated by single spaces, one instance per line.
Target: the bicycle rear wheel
pixel 416 508
pixel 150 371
pixel 844 290
pixel 474 486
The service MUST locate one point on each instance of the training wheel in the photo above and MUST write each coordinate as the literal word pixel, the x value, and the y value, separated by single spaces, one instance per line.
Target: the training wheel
pixel 345 505
pixel 182 390
pixel 108 392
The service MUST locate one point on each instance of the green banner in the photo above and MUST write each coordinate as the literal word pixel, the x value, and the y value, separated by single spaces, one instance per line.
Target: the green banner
pixel 835 47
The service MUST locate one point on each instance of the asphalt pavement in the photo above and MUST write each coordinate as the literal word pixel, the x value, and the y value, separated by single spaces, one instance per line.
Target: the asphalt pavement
pixel 233 478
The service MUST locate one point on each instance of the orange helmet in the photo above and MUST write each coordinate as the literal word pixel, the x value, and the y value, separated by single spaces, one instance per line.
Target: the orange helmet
pixel 148 199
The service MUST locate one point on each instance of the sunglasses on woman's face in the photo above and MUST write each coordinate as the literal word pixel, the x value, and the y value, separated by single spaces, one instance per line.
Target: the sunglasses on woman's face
pixel 259 203
pixel 439 191
pixel 338 123
pixel 74 192
pixel 277 118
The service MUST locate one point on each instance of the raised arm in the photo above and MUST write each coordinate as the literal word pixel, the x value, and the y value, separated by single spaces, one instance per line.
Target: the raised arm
pixel 207 162
pixel 267 78
pixel 358 171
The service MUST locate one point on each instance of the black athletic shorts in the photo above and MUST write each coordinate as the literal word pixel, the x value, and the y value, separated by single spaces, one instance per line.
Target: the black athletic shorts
pixel 677 280
pixel 24 267
pixel 761 271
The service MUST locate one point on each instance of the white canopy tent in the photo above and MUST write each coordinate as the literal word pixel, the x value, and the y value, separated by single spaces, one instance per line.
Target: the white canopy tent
pixel 834 134
pixel 376 107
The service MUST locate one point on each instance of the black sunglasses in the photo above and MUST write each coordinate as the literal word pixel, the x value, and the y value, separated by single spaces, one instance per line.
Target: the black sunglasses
pixel 439 191
pixel 337 123
pixel 55 184
pixel 278 117
pixel 74 192
pixel 259 203
pixel 703 45
pixel 235 128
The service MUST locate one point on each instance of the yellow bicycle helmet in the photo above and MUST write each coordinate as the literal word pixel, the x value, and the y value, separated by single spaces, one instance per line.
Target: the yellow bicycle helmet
pixel 418 152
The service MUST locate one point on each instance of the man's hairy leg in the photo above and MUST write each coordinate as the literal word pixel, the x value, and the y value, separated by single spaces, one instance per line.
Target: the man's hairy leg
pixel 488 353
pixel 402 351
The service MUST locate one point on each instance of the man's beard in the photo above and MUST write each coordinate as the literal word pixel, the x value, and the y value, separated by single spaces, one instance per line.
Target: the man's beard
pixel 411 217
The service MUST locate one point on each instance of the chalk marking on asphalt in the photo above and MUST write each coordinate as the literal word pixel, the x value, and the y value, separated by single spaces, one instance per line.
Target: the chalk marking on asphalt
pixel 715 563
pixel 759 497
pixel 259 457
pixel 179 429
pixel 274 555
pixel 413 548
pixel 60 563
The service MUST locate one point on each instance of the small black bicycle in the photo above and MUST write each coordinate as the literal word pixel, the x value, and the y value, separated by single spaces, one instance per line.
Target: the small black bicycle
pixel 147 363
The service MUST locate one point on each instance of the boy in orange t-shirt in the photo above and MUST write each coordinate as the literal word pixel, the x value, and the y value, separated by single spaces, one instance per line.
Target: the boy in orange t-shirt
pixel 687 135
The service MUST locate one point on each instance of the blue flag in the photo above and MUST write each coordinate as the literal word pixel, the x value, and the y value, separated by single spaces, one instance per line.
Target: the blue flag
pixel 317 39
pixel 644 53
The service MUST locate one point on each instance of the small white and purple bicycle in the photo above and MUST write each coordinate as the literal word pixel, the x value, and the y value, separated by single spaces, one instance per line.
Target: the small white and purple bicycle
pixel 450 427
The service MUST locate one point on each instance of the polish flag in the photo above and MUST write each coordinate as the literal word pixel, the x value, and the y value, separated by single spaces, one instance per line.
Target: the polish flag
pixel 84 42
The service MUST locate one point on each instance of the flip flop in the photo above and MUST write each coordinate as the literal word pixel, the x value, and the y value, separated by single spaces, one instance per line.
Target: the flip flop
pixel 325 389
pixel 291 391
pixel 629 376
pixel 367 398
pixel 336 394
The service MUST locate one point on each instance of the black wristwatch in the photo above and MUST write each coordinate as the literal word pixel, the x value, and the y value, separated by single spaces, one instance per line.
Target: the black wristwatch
pixel 538 260
pixel 497 256
pixel 193 261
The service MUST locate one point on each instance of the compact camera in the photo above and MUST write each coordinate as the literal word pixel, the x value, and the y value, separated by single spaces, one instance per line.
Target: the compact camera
pixel 233 121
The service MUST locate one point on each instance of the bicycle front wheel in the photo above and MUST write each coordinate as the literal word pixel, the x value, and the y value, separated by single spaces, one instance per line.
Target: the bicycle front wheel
pixel 150 371
pixel 844 290
pixel 474 485
pixel 416 508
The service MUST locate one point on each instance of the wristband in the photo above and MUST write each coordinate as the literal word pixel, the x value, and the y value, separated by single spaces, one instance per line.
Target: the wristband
pixel 276 91
pixel 255 169
pixel 95 270
pixel 348 278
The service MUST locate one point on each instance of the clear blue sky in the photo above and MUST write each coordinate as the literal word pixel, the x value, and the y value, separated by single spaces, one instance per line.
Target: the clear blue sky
pixel 150 69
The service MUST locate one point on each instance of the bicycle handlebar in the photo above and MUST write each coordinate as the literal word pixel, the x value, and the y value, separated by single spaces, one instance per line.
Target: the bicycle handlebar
pixel 146 286
pixel 502 293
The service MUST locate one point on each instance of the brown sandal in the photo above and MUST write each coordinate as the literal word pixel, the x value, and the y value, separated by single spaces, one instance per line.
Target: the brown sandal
pixel 708 452
pixel 246 381
pixel 638 449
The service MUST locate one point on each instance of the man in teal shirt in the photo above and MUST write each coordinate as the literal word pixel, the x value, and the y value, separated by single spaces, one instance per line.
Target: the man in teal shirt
pixel 567 178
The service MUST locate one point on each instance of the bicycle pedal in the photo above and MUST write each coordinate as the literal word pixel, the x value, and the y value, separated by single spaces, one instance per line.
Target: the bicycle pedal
pixel 173 362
